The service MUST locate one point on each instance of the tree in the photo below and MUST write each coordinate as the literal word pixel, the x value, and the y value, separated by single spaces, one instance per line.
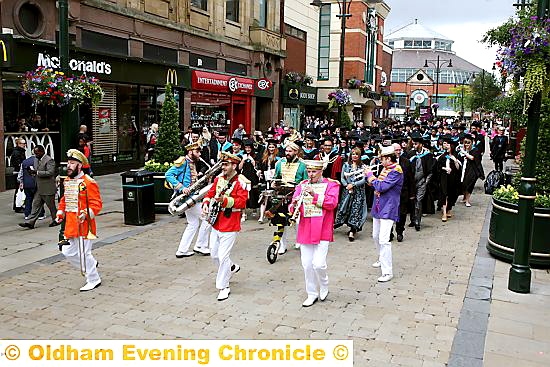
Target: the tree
pixel 485 90
pixel 168 146
pixel 511 106
pixel 461 98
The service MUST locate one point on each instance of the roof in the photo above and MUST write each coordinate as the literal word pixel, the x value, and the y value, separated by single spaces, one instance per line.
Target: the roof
pixel 415 31
pixel 416 58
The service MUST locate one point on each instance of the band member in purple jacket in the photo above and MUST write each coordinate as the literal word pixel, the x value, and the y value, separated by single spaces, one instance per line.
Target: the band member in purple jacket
pixel 385 209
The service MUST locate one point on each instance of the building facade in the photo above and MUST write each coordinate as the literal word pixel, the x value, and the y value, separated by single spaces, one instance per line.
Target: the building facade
pixel 424 72
pixel 224 58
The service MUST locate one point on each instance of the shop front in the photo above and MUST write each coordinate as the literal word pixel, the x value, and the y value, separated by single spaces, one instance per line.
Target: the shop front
pixel 221 101
pixel 297 102
pixel 133 97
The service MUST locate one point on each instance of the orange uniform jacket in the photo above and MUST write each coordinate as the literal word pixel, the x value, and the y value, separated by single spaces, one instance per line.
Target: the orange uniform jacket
pixel 87 185
pixel 236 199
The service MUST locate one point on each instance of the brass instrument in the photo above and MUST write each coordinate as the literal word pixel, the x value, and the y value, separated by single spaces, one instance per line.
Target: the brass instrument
pixel 359 172
pixel 197 191
pixel 215 207
pixel 296 212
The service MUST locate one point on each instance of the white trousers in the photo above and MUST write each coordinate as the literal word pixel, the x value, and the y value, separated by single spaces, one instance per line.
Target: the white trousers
pixel 72 254
pixel 221 244
pixel 381 229
pixel 314 262
pixel 289 236
pixel 194 221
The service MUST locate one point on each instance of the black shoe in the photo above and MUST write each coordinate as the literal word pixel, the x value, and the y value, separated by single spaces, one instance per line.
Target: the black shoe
pixel 351 237
pixel 411 224
pixel 26 225
pixel 54 224
pixel 417 227
pixel 399 238
pixel 62 243
pixel 19 210
pixel 391 236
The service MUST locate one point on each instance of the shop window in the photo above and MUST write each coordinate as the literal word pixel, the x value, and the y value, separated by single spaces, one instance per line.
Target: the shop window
pixel 232 10
pixel 104 43
pixel 203 62
pixel 210 109
pixel 29 19
pixel 127 130
pixel 201 4
pixel 158 53
pixel 235 68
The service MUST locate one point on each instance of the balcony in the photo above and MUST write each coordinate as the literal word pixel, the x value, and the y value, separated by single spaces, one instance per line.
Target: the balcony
pixel 267 41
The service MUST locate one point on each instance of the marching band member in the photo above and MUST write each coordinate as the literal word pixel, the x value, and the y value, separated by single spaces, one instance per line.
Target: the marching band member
pixel 333 166
pixel 180 177
pixel 291 170
pixel 229 193
pixel 267 168
pixel 317 198
pixel 79 205
pixel 385 208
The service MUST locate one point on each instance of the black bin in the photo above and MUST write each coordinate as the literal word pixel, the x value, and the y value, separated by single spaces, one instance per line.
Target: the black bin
pixel 138 193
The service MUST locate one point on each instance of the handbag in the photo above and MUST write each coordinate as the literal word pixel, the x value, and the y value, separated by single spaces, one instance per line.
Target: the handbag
pixel 20 198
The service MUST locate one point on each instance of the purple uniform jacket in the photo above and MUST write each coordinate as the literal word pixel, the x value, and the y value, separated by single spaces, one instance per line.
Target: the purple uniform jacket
pixel 387 195
pixel 313 230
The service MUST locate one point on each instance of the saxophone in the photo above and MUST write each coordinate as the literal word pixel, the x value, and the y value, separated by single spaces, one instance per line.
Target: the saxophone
pixel 197 191
pixel 215 207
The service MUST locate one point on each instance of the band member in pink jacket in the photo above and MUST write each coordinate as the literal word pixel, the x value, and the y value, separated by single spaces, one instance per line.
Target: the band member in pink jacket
pixel 317 200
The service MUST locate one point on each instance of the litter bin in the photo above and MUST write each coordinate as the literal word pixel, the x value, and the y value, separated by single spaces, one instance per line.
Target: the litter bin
pixel 138 193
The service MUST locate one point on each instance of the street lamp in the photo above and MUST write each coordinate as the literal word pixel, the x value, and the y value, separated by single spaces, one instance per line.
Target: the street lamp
pixel 438 64
pixel 344 6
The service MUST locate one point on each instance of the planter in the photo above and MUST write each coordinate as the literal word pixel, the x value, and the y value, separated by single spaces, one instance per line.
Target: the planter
pixel 162 194
pixel 502 233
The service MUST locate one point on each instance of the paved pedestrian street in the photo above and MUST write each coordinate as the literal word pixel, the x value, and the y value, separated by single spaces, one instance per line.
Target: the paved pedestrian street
pixel 149 294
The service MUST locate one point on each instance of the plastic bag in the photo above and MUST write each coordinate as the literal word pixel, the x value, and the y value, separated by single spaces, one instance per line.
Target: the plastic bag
pixel 20 198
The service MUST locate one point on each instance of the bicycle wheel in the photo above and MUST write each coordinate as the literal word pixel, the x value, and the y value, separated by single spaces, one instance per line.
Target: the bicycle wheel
pixel 272 253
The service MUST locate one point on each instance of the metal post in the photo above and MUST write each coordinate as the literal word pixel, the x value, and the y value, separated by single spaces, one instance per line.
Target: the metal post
pixel 520 273
pixel 343 15
pixel 69 117
pixel 462 100
pixel 437 84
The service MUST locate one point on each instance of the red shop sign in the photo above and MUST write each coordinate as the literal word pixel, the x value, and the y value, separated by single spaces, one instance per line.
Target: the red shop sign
pixel 212 82
pixel 264 84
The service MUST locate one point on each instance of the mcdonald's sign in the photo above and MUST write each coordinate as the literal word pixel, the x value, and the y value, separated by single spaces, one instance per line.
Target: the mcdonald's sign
pixel 172 77
pixel 5 50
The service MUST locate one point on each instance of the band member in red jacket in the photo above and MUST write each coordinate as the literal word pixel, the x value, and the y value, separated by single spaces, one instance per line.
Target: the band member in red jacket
pixel 227 197
pixel 79 205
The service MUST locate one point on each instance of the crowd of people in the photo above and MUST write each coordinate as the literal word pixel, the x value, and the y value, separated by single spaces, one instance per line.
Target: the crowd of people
pixel 334 176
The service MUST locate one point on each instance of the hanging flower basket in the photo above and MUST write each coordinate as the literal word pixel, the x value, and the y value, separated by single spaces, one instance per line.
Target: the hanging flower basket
pixel 296 78
pixel 54 88
pixel 339 98
pixel 354 83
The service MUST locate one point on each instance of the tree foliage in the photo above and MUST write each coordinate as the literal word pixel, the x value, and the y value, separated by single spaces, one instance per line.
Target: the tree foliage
pixel 485 91
pixel 462 96
pixel 168 145
pixel 511 106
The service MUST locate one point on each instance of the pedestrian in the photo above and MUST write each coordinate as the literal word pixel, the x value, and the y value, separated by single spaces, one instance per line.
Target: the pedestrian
pixel 471 168
pixel 27 182
pixel 85 149
pixel 223 205
pixel 422 163
pixel 45 174
pixel 317 199
pixel 385 209
pixel 181 176
pixel 239 132
pixel 247 167
pixel 406 202
pixel 449 169
pixel 79 206
pixel 18 155
pixel 499 146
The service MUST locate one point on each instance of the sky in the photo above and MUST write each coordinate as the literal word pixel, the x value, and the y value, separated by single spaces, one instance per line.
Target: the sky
pixel 463 21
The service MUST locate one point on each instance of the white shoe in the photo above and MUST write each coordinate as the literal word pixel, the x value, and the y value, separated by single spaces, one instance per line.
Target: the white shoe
pixel 376 264
pixel 261 220
pixel 468 205
pixel 26 218
pixel 243 218
pixel 235 268
pixel 224 294
pixel 180 254
pixel 282 249
pixel 297 246
pixel 202 251
pixel 385 278
pixel 89 286
pixel 323 293
pixel 42 217
pixel 310 300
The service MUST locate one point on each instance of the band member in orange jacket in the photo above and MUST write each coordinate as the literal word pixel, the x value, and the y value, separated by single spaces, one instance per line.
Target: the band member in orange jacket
pixel 228 194
pixel 79 205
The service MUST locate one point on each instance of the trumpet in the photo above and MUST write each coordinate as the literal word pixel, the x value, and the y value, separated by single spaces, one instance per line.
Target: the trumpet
pixel 296 212
pixel 359 172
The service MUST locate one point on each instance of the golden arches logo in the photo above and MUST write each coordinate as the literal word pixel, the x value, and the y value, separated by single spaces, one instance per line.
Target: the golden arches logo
pixel 172 77
pixel 4 51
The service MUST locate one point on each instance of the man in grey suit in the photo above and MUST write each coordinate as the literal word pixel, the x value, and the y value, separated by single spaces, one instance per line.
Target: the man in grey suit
pixel 44 171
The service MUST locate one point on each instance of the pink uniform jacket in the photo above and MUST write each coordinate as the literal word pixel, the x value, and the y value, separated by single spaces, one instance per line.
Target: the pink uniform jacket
pixel 316 229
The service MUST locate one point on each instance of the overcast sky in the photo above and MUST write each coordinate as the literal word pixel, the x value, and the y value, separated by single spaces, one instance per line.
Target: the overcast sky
pixel 463 21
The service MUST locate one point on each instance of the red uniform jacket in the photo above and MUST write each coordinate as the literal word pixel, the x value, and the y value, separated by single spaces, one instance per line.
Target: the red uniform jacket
pixel 71 209
pixel 234 198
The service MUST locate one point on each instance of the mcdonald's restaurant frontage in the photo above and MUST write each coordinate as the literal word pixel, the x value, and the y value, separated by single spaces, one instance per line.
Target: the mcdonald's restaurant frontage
pixel 133 97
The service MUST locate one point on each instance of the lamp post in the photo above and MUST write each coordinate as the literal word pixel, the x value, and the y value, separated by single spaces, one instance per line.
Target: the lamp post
pixel 462 99
pixel 438 64
pixel 519 279
pixel 344 6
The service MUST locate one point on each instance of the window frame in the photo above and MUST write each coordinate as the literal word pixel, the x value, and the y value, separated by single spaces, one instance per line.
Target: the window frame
pixel 235 6
pixel 323 73
pixel 203 4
